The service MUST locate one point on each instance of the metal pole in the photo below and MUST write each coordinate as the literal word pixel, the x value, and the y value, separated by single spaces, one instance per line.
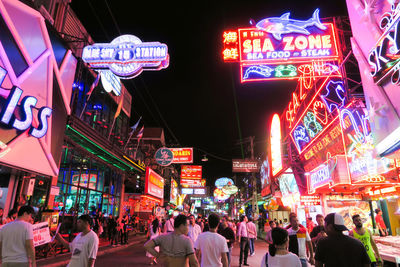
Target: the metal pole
pixel 254 204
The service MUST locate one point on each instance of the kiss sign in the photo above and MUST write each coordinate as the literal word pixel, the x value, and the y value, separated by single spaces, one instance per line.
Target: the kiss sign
pixel 22 121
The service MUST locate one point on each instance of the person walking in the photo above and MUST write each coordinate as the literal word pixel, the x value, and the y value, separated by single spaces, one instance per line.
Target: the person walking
pixel 278 254
pixel 226 231
pixel 194 229
pixel 85 245
pixel 268 235
pixel 251 228
pixel 380 223
pixel 338 249
pixel 16 240
pixel 124 229
pixel 169 224
pixel 243 238
pixel 299 241
pixel 154 231
pixel 365 236
pixel 318 231
pixel 211 247
pixel 175 247
pixel 112 230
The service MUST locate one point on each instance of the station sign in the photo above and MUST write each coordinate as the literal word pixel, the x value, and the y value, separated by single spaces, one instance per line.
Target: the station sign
pixel 126 56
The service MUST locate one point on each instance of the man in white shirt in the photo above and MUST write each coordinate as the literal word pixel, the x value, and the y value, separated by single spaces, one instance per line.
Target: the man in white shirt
pixel 211 246
pixel 16 240
pixel 194 229
pixel 299 239
pixel 169 225
pixel 243 238
pixel 252 230
pixel 85 245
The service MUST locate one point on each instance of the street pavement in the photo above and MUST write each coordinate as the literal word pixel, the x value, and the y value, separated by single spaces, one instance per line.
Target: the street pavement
pixel 135 255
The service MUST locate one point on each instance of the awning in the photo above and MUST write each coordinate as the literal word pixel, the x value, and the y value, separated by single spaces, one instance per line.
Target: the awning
pixel 123 162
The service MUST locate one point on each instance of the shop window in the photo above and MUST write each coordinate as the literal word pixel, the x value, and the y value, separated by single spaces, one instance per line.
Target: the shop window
pixel 82 202
pixel 4 181
pixel 95 199
pixel 63 175
pixel 39 196
pixel 70 199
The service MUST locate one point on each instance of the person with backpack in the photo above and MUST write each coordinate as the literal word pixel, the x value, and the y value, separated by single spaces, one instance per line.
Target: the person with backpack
pixel 278 254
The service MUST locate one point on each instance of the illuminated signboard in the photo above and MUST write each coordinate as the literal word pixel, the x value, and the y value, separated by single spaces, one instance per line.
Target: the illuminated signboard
pixel 199 191
pixel 273 48
pixel 221 182
pixel 310 200
pixel 164 156
pixel 85 181
pixel 265 178
pixel 289 188
pixel 364 166
pixel 127 56
pixel 110 82
pixel 320 176
pixel 173 195
pixel 193 182
pixel 244 165
pixel 154 184
pixel 182 155
pixel 219 195
pixel 276 149
pixel 191 172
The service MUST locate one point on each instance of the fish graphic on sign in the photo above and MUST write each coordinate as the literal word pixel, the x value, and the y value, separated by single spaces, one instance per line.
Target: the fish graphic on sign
pixel 283 25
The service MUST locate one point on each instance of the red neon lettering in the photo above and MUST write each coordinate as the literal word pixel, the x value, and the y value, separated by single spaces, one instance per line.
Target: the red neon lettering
pixel 230 37
pixel 268 45
pixel 326 41
pixel 288 43
pixel 301 42
pixel 296 103
pixel 247 46
pixel 314 41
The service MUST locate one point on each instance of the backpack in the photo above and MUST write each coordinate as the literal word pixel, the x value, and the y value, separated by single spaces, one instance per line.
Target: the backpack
pixel 266 259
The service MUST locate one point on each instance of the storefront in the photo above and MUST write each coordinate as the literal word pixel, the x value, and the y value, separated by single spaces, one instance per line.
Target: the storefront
pixel 41 74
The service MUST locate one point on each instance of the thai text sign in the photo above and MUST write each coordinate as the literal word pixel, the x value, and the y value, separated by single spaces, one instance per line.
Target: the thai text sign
pixel 182 155
pixel 245 165
pixel 41 234
pixel 191 171
pixel 154 184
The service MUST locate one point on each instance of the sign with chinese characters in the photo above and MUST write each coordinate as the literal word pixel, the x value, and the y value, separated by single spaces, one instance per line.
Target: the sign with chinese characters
pixel 244 165
pixel 193 182
pixel 182 155
pixel 164 156
pixel 191 171
pixel 154 184
pixel 275 142
pixel 127 56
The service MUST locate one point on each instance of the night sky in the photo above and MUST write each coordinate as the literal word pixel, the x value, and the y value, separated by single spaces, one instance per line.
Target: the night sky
pixel 195 94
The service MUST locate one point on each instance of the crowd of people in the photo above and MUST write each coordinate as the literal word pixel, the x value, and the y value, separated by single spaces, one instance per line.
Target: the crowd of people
pixel 185 239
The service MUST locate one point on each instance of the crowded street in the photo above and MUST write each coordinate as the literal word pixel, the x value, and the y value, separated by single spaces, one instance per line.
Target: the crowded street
pixel 205 134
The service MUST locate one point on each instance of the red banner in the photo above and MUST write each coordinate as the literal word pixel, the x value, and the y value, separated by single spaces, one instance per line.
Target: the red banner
pixel 193 182
pixel 154 184
pixel 182 155
pixel 191 171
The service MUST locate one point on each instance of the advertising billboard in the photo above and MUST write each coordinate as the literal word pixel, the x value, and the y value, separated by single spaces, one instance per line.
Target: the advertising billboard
pixel 154 184
pixel 377 51
pixel 191 172
pixel 193 182
pixel 36 90
pixel 276 145
pixel 182 155
pixel 265 178
pixel 173 195
pixel 245 165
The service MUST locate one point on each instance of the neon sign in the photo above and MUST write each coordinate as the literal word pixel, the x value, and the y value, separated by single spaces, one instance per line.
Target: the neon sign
pixel 383 58
pixel 319 177
pixel 10 113
pixel 110 82
pixel 276 150
pixel 127 56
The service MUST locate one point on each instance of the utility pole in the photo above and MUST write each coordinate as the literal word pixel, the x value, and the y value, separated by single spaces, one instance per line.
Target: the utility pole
pixel 254 181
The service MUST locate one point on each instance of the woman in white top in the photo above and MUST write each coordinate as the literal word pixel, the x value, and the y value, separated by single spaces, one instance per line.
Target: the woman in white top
pixel 278 254
pixel 154 231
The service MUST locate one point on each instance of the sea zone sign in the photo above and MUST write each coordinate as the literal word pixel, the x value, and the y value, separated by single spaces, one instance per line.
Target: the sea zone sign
pixel 268 50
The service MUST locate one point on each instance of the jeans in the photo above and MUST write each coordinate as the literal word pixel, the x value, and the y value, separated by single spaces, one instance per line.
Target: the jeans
pixel 304 263
pixel 251 245
pixel 229 254
pixel 244 249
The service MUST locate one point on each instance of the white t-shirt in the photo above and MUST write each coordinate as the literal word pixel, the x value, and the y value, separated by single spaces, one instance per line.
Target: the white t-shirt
pixel 83 248
pixel 282 261
pixel 13 236
pixel 211 246
pixel 302 238
pixel 194 232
